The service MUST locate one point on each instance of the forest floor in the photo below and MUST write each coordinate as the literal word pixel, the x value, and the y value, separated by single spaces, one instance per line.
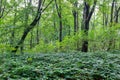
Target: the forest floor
pixel 61 66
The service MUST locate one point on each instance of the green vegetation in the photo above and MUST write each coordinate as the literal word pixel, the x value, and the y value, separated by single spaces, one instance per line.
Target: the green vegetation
pixel 59 25
pixel 59 39
pixel 61 66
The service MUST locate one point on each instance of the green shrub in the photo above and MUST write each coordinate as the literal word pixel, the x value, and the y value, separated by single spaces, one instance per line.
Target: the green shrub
pixel 70 66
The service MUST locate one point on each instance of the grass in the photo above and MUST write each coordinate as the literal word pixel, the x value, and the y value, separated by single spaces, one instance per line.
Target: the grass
pixel 61 66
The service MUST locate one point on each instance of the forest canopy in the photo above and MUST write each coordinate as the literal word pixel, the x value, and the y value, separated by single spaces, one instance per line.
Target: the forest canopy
pixel 59 25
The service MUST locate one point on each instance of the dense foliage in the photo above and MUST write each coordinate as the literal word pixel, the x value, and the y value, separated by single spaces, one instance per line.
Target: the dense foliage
pixel 62 30
pixel 62 66
pixel 61 27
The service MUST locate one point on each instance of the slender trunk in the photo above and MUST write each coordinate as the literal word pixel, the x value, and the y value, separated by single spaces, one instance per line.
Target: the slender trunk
pixel 37 34
pixel 13 32
pixel 75 16
pixel 111 22
pixel 75 25
pixel 60 29
pixel 58 7
pixel 117 15
pixel 69 31
pixel 54 24
pixel 106 19
pixel 112 12
pixel 116 21
pixel 31 40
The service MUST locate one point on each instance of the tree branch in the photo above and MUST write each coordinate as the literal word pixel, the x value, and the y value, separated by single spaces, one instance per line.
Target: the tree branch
pixel 57 8
pixel 47 6
pixel 92 10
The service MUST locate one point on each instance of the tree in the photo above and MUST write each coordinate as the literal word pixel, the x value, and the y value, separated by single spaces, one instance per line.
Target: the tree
pixel 87 14
pixel 23 25
pixel 59 12
pixel 75 15
pixel 113 19
pixel 32 25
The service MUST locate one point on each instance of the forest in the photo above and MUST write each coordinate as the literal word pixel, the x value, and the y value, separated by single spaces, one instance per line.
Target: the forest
pixel 59 39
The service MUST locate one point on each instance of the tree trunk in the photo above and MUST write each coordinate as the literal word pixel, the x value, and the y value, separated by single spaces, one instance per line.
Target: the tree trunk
pixel 58 7
pixel 13 32
pixel 111 23
pixel 75 15
pixel 87 14
pixel 37 34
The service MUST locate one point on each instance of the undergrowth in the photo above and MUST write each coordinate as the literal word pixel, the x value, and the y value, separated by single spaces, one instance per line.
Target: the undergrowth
pixel 61 66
